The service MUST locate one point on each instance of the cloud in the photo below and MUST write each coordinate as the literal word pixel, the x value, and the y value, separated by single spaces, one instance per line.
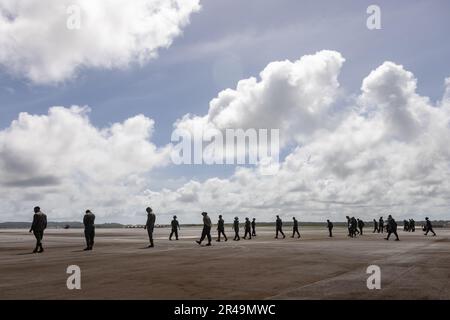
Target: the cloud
pixel 386 152
pixel 295 97
pixel 446 99
pixel 36 43
pixel 9 90
pixel 65 158
pixel 391 91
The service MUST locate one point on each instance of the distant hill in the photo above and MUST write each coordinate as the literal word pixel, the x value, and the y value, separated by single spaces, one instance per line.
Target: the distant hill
pixel 57 225
pixel 78 225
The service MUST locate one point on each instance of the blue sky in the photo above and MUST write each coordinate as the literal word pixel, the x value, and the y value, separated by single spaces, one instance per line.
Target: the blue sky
pixel 250 33
pixel 230 40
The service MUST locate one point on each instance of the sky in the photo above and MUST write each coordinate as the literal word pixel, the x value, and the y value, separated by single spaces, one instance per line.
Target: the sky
pixel 87 114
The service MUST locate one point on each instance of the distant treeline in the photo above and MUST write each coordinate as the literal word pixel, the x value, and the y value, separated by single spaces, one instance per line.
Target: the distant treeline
pixel 57 225
pixel 368 224
pixel 78 225
pixel 437 223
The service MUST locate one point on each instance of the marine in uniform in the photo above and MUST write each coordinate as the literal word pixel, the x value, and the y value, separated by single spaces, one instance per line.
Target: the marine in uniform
pixel 206 233
pixel 38 226
pixel 279 227
pixel 295 228
pixel 247 228
pixel 391 228
pixel 89 229
pixel 236 229
pixel 150 225
pixel 221 229
pixel 330 228
pixel 429 227
pixel 175 227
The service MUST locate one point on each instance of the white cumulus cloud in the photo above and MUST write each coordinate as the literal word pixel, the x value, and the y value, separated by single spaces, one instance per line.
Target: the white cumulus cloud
pixel 387 152
pixel 63 161
pixel 36 43
pixel 384 151
pixel 295 97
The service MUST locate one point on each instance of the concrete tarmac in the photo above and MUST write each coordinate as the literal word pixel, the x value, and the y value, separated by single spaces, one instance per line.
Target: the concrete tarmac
pixel 312 267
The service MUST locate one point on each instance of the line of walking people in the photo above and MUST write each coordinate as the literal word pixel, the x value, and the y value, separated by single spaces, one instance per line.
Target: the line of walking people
pixel 355 227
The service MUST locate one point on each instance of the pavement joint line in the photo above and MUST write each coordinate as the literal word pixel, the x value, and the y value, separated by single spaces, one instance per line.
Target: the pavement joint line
pixel 349 272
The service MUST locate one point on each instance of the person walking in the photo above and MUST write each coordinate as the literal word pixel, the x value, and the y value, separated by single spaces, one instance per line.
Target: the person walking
pixel 247 228
pixel 150 225
pixel 221 229
pixel 175 227
pixel 236 229
pixel 206 233
pixel 295 228
pixel 38 226
pixel 330 228
pixel 89 229
pixel 279 227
